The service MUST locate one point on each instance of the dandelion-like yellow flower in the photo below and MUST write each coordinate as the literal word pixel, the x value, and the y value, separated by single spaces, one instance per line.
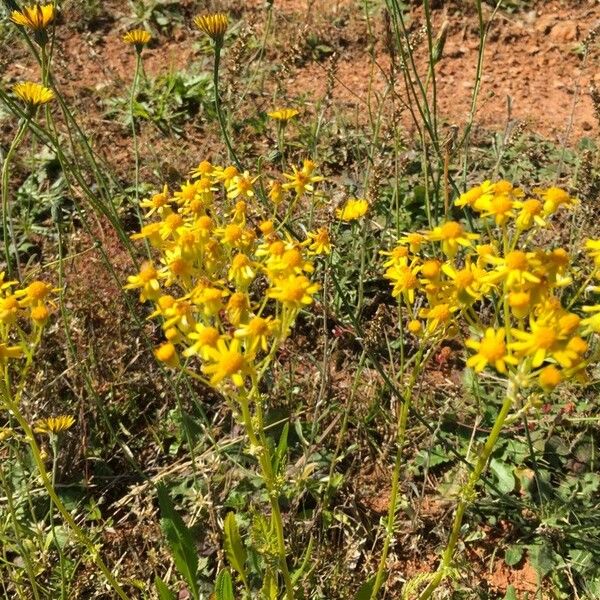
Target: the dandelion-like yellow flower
pixel 35 17
pixel 354 209
pixel 549 378
pixel 228 363
pixel 319 241
pixel 452 235
pixel 33 94
pixel 167 354
pixel 294 292
pixel 283 114
pixel 138 38
pixel 54 425
pixel 213 25
pixel 490 350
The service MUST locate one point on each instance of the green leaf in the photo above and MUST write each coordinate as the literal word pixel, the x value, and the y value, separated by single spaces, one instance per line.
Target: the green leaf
pixel 543 558
pixel 366 589
pixel 504 475
pixel 511 593
pixel 164 593
pixel 234 548
pixel 281 448
pixel 224 585
pixel 180 540
pixel 513 555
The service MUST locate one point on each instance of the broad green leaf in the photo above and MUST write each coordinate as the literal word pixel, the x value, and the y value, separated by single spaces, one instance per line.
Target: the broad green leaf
pixel 224 586
pixel 504 474
pixel 543 558
pixel 513 555
pixel 234 548
pixel 366 589
pixel 164 593
pixel 180 540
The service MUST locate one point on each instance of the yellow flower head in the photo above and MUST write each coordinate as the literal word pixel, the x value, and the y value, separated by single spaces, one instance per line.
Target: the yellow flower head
pixel 33 94
pixel 54 425
pixel 490 350
pixel 35 17
pixel 167 354
pixel 283 114
pixel 228 362
pixel 294 292
pixel 138 38
pixel 213 25
pixel 452 235
pixel 549 378
pixel 354 209
pixel 319 241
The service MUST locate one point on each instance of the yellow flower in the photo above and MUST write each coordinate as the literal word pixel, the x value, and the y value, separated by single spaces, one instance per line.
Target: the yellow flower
pixel 213 25
pixel 452 235
pixel 237 308
pixel 414 326
pixel 228 362
pixel 241 185
pixel 499 207
pixel 398 256
pixel 39 315
pixel 157 202
pixel 34 294
pixel 554 198
pixel 275 192
pixel 549 378
pixel 520 303
pixel 257 332
pixel 283 114
pixel 477 196
pixel 204 169
pixel 211 300
pixel 138 38
pixel 241 271
pixel 167 354
pixel 319 241
pixel 466 282
pixel 405 281
pixel 9 309
pixel 146 281
pixel 35 17
pixel 537 343
pixel 353 209
pixel 294 292
pixel 414 240
pixel 301 180
pixel 437 316
pixel 490 350
pixel 593 249
pixel 516 269
pixel 33 94
pixel 204 337
pixel 529 215
pixel 54 425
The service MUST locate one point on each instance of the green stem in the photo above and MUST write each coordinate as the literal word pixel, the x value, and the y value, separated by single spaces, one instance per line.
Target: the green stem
pixel 258 440
pixel 400 438
pixel 43 474
pixel 218 108
pixel 468 492
pixel 8 231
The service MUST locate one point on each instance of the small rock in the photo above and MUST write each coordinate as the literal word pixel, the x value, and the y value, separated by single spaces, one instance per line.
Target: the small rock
pixel 586 126
pixel 533 50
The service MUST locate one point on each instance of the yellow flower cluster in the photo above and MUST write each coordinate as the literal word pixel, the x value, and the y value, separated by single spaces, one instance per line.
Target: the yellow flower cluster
pixel 227 285
pixel 449 272
pixel 23 313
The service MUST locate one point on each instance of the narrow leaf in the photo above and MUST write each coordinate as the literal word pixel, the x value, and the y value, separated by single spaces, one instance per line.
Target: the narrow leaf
pixel 164 593
pixel 224 586
pixel 234 548
pixel 180 540
pixel 366 589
